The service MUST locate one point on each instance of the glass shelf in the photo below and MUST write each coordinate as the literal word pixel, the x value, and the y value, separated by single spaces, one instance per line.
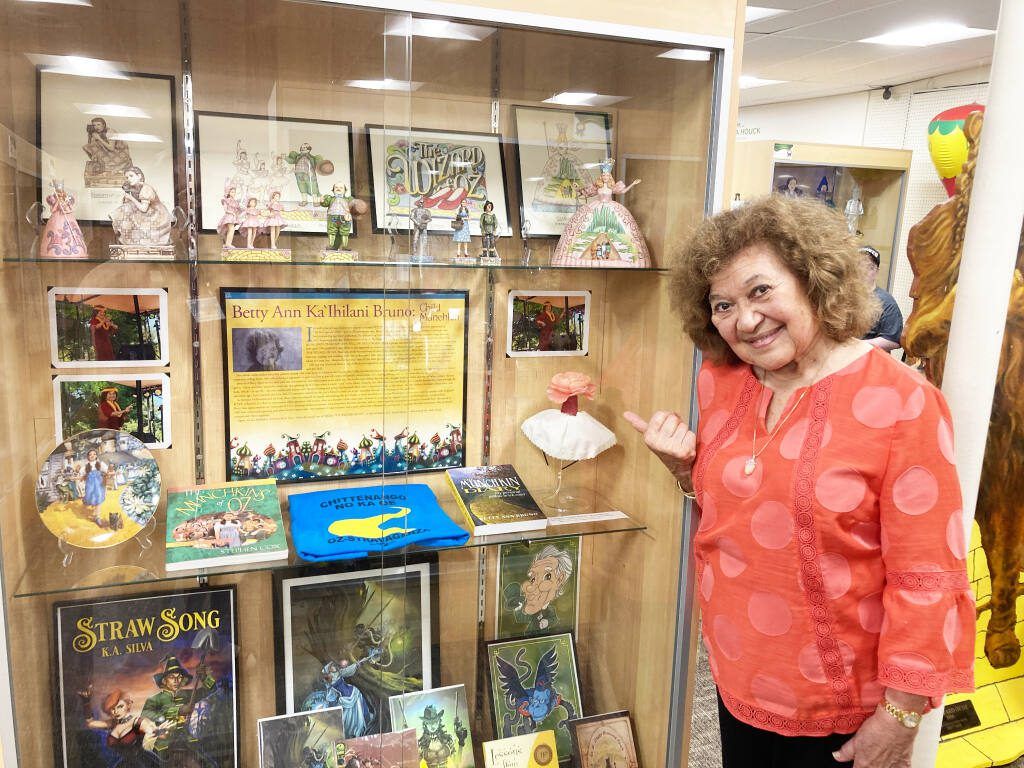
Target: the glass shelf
pixel 129 565
pixel 306 262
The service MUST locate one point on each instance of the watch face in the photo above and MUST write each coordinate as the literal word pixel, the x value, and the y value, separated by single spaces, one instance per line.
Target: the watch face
pixel 911 719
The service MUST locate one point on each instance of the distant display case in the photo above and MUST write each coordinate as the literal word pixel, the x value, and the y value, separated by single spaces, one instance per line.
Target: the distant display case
pixel 865 184
pixel 250 296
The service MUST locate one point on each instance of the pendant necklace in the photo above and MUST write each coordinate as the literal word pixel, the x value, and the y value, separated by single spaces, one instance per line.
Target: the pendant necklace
pixel 751 464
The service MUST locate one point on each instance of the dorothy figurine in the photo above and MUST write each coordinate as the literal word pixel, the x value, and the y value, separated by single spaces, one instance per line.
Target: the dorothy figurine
pixel 460 229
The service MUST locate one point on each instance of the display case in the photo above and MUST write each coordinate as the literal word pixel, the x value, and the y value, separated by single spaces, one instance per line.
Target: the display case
pixel 217 270
pixel 866 184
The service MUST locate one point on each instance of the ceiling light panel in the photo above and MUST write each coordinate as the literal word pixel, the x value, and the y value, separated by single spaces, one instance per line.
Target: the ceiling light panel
pixel 929 33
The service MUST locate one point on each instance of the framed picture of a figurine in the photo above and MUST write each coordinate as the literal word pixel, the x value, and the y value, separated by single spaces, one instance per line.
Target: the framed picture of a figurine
pixel 282 172
pixel 453 173
pixel 558 152
pixel 93 130
pixel 355 638
pixel 107 327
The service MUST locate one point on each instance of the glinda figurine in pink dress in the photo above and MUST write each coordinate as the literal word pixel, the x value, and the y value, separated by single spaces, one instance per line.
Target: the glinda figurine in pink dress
pixel 273 217
pixel 61 237
pixel 602 233
pixel 232 217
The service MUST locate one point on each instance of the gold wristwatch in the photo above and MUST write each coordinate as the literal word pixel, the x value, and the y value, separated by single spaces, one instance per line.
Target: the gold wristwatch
pixel 906 717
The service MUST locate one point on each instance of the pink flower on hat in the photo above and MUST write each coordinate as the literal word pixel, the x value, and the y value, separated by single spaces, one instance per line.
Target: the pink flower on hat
pixel 569 383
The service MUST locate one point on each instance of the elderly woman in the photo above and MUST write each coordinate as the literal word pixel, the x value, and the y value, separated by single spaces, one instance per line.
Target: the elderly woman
pixel 830 552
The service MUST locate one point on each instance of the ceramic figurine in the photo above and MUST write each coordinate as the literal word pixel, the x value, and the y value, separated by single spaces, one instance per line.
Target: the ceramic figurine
pixel 251 221
pixel 602 233
pixel 61 237
pixel 108 158
pixel 488 230
pixel 273 217
pixel 854 210
pixel 228 224
pixel 460 230
pixel 141 219
pixel 339 217
pixel 420 218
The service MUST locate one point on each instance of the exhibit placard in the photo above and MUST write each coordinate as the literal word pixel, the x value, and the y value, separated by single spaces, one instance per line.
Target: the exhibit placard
pixel 327 384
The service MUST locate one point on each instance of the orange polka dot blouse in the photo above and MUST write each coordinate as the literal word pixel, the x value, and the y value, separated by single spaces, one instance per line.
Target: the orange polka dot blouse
pixel 836 567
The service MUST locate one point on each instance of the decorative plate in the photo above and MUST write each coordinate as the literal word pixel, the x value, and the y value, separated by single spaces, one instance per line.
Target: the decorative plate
pixel 98 489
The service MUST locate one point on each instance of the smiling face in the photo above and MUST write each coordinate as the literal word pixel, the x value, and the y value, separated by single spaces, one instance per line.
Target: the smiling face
pixel 542 584
pixel 761 310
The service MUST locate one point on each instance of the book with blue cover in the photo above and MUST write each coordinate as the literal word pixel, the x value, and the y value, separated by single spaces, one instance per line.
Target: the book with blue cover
pixel 348 523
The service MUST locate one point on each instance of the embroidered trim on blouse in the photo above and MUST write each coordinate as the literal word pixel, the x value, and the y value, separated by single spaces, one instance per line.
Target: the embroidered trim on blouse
pixel 807 549
pixel 928 581
pixel 727 429
pixel 925 683
pixel 760 718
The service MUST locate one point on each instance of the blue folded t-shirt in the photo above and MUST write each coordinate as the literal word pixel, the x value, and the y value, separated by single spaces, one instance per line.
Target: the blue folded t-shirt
pixel 358 522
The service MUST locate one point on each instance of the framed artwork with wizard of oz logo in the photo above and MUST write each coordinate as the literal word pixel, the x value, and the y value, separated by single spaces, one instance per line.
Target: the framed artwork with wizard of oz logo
pixel 147 681
pixel 535 687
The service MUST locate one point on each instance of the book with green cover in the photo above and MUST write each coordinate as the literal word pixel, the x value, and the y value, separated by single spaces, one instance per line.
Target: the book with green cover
pixel 224 524
pixel 494 499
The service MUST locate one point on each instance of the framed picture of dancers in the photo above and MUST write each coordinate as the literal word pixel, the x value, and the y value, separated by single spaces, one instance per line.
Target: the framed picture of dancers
pixel 293 164
pixel 93 130
pixel 558 152
pixel 453 173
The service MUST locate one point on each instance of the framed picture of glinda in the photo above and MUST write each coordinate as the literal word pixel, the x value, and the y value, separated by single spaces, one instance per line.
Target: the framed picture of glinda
pixel 452 172
pixel 354 638
pixel 94 129
pixel 557 156
pixel 313 393
pixel 147 681
pixel 288 161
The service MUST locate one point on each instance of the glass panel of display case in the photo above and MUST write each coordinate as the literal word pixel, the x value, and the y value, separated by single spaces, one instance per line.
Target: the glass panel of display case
pixel 291 285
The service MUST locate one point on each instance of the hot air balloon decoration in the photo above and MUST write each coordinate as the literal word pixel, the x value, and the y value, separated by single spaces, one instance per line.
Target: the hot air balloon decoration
pixel 947 143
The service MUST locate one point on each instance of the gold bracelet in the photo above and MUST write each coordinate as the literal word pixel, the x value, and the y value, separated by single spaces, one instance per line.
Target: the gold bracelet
pixel 686 493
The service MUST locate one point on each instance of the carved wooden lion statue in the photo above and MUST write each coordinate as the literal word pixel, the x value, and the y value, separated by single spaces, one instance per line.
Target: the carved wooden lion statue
pixel 934 249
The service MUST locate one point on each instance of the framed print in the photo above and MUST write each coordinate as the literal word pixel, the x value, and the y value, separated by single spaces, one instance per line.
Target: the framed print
pixel 301 739
pixel 535 687
pixel 147 680
pixel 311 388
pixel 538 587
pixel 557 154
pixel 140 406
pixel 107 327
pixel 603 740
pixel 548 324
pixel 380 621
pixel 387 750
pixel 93 129
pixel 257 156
pixel 441 167
pixel 440 718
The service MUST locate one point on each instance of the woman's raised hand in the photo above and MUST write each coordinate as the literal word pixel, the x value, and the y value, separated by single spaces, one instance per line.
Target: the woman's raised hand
pixel 669 438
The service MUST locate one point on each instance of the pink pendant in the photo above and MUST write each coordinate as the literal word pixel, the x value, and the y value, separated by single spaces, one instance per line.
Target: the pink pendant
pixel 750 466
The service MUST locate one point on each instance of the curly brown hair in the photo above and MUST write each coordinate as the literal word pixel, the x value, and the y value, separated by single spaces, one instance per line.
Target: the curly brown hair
pixel 811 239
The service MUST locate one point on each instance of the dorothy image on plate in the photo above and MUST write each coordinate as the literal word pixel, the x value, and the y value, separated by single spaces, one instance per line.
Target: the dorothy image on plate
pixel 441 720
pixel 253 157
pixel 147 682
pixel 98 489
pixel 535 687
pixel 355 639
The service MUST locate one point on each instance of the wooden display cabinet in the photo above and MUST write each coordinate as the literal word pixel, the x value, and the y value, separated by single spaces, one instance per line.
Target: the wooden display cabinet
pixel 297 60
pixel 762 167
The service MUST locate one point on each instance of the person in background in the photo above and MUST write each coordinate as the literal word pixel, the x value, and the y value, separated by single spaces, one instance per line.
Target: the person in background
pixel 830 557
pixel 885 333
